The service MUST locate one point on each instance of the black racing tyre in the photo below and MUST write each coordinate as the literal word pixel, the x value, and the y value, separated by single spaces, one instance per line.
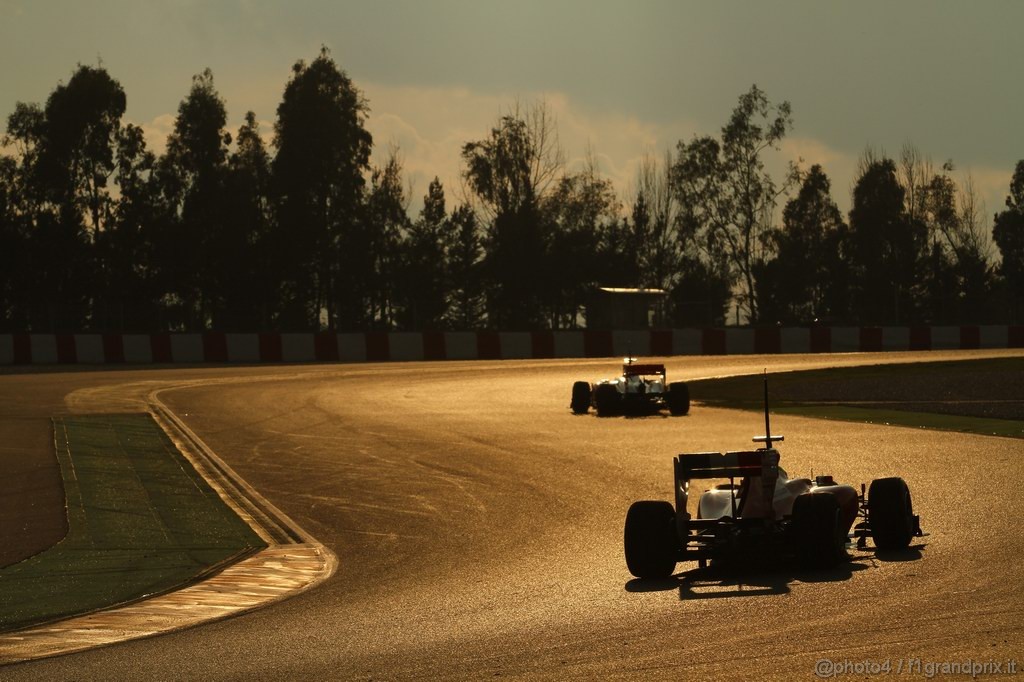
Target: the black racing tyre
pixel 817 531
pixel 580 397
pixel 890 513
pixel 678 398
pixel 606 399
pixel 650 540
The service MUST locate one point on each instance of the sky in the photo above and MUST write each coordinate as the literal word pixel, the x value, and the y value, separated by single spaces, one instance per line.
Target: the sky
pixel 623 79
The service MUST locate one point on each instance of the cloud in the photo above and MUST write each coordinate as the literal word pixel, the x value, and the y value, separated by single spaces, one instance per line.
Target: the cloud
pixel 431 125
pixel 839 166
pixel 992 185
pixel 155 132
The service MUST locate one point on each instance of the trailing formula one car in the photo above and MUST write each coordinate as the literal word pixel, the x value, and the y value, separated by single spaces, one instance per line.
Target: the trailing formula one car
pixel 761 513
pixel 641 386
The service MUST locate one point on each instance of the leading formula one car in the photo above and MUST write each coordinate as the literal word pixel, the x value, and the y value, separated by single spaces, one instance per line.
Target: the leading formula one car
pixel 762 513
pixel 641 387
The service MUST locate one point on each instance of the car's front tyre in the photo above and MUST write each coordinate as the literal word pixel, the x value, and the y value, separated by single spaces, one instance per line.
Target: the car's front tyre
pixel 890 513
pixel 580 403
pixel 678 398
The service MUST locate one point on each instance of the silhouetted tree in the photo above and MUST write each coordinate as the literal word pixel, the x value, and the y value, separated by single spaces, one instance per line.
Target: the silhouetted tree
pixel 14 250
pixel 465 295
pixel 386 221
pixel 509 173
pixel 799 284
pixel 425 280
pixel 248 278
pixel 323 151
pixel 193 173
pixel 22 201
pixel 656 218
pixel 724 185
pixel 956 280
pixel 701 293
pixel 314 236
pixel 625 245
pixel 128 290
pixel 702 284
pixel 885 247
pixel 1008 234
pixel 66 163
pixel 580 209
pixel 76 151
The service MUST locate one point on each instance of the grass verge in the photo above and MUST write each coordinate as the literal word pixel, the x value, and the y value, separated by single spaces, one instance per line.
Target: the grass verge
pixel 978 396
pixel 141 521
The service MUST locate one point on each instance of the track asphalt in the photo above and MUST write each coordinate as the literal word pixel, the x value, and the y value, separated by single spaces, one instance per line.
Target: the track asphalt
pixel 478 526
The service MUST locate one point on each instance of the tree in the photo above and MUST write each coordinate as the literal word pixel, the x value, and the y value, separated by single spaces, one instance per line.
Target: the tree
pixel 425 281
pixel 248 279
pixel 513 169
pixel 323 151
pixel 509 173
pixel 384 224
pixel 1008 233
pixel 192 174
pixel 885 247
pixel 702 283
pixel 701 293
pixel 673 252
pixel 914 173
pixel 126 247
pixel 656 218
pixel 76 154
pixel 465 297
pixel 67 158
pixel 799 284
pixel 580 209
pixel 730 196
pixel 14 243
pixel 955 280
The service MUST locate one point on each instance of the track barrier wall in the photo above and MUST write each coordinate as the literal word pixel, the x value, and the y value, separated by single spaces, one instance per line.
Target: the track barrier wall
pixel 220 347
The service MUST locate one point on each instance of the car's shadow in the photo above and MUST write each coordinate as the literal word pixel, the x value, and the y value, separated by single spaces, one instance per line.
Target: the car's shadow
pixel 638 413
pixel 646 415
pixel 765 579
pixel 912 553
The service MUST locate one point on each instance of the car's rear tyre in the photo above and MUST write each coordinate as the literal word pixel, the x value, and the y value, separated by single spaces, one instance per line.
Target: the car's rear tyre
pixel 580 397
pixel 606 399
pixel 890 513
pixel 818 533
pixel 678 398
pixel 650 540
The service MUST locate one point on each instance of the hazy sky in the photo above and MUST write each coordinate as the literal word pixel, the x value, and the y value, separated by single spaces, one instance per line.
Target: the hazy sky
pixel 623 78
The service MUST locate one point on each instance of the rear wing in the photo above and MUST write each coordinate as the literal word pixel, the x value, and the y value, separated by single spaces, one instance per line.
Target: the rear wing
pixel 746 464
pixel 633 369
pixel 741 464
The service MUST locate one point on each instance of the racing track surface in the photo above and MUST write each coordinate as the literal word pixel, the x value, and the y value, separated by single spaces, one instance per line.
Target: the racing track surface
pixel 478 525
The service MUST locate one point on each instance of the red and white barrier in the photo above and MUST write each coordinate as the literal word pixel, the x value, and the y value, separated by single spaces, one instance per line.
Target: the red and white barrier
pixel 219 347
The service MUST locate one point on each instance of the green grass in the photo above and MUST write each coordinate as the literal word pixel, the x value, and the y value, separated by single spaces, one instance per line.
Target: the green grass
pixel 923 420
pixel 141 521
pixel 976 396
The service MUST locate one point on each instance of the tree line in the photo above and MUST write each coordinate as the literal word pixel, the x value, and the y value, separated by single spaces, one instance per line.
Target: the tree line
pixel 220 232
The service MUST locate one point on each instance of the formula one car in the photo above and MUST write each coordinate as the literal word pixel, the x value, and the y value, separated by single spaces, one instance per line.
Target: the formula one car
pixel 761 513
pixel 641 387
